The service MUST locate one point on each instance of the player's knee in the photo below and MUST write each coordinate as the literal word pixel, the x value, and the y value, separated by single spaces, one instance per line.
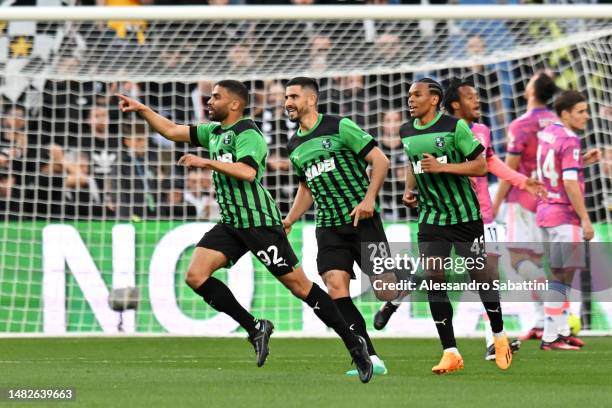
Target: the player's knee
pixel 300 291
pixel 383 285
pixel 337 283
pixel 336 289
pixel 298 284
pixel 435 275
pixel 196 276
pixel 517 257
pixel 563 275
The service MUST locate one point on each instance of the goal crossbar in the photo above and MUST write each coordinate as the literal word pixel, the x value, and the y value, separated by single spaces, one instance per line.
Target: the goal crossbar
pixel 233 13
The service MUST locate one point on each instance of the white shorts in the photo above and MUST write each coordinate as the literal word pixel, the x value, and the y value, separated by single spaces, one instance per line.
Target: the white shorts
pixel 522 232
pixel 492 239
pixel 564 246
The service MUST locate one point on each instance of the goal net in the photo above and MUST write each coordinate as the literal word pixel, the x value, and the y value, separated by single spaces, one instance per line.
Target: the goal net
pixel 91 201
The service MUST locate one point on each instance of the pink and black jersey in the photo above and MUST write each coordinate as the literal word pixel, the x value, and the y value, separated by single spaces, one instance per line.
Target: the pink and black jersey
pixel 481 184
pixel 523 141
pixel 558 158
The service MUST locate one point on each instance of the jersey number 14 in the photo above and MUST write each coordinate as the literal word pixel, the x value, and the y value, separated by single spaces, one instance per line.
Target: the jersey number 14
pixel 546 168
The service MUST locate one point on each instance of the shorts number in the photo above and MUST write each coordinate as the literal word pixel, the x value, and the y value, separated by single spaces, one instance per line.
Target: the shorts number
pixel 478 245
pixel 492 233
pixel 276 260
pixel 382 250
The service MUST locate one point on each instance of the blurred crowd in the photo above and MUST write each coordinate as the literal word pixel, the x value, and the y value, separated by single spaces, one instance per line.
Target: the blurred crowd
pixel 80 157
pixel 72 154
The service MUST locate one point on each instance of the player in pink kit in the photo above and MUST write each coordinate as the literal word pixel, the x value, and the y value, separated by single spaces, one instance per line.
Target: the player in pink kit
pixel 462 100
pixel 523 236
pixel 562 215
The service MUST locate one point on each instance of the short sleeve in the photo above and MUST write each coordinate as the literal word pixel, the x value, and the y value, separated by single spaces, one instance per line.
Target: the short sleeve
pixel 571 159
pixel 355 138
pixel 516 139
pixel 200 134
pixel 250 148
pixel 466 142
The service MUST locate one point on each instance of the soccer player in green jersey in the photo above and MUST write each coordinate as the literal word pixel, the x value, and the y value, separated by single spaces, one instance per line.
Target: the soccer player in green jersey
pixel 250 220
pixel 330 155
pixel 443 154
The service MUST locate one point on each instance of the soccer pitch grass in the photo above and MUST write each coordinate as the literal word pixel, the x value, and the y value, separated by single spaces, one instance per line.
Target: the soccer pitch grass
pixel 221 372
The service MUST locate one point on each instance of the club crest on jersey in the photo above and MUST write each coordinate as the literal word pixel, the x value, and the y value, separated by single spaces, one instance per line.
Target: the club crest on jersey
pixel 440 142
pixel 327 144
pixel 227 138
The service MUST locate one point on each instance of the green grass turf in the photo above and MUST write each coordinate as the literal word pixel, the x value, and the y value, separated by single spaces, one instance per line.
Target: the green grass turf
pixel 203 372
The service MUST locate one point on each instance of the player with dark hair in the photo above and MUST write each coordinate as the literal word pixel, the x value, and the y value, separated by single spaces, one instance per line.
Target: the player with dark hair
pixel 330 155
pixel 250 220
pixel 562 215
pixel 524 238
pixel 462 101
pixel 444 154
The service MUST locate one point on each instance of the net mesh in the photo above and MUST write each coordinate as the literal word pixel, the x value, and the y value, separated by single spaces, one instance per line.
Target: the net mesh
pixel 69 157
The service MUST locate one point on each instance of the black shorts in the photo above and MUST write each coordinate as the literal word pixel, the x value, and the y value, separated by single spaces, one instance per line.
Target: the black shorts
pixel 466 237
pixel 340 246
pixel 269 244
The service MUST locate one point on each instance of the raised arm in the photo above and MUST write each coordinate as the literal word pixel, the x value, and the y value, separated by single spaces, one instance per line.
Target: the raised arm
pixel 513 161
pixel 505 172
pixel 163 126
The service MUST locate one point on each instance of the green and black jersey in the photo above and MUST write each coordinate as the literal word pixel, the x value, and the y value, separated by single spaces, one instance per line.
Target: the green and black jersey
pixel 444 199
pixel 243 204
pixel 330 159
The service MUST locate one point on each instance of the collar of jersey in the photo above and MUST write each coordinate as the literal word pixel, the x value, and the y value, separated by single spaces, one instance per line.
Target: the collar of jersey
pixel 428 125
pixel 568 131
pixel 319 118
pixel 224 127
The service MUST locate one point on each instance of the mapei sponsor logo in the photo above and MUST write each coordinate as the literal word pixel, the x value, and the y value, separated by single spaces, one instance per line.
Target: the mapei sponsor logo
pixel 319 168
pixel 226 158
pixel 416 167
